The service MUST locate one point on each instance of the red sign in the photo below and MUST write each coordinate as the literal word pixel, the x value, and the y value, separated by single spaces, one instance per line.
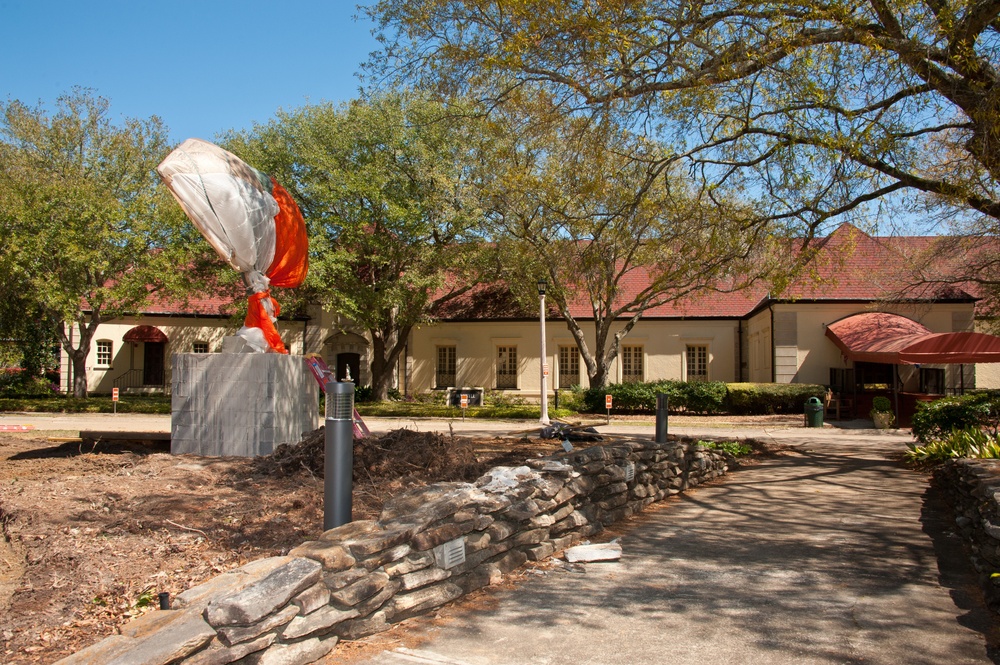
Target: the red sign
pixel 114 394
pixel 465 401
pixel 607 401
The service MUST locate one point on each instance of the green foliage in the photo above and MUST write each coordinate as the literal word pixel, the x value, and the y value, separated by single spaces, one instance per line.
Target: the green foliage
pixel 382 185
pixel 704 397
pixel 695 396
pixel 768 398
pixel 881 404
pixel 935 420
pixel 572 400
pixel 733 448
pixel 503 400
pixel 87 224
pixel 18 383
pixel 157 404
pixel 818 108
pixel 969 442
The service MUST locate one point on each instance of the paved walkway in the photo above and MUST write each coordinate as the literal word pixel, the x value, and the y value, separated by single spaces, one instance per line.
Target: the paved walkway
pixel 831 553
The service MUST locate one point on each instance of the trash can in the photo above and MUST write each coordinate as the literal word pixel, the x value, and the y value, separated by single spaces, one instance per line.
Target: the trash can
pixel 814 412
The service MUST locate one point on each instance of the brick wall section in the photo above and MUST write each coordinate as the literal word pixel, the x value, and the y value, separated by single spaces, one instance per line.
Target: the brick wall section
pixel 359 578
pixel 972 486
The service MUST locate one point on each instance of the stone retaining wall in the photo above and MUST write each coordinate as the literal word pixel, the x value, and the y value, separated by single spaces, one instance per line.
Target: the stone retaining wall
pixel 973 489
pixel 430 546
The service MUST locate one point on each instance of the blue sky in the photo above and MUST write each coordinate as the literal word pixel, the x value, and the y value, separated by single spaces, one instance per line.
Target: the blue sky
pixel 203 67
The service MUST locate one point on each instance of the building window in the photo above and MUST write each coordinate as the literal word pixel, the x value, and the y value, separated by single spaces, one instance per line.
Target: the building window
pixel 104 353
pixel 199 347
pixel 446 364
pixel 932 381
pixel 632 364
pixel 569 366
pixel 697 362
pixel 506 367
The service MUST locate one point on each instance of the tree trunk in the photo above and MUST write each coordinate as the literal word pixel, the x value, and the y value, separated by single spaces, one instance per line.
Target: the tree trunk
pixel 385 356
pixel 79 357
pixel 79 353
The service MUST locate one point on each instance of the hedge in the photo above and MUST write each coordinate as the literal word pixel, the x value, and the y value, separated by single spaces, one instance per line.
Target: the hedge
pixel 934 421
pixel 704 397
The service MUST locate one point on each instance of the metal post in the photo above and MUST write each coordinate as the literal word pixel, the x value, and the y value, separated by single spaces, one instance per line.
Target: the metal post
pixel 662 403
pixel 545 397
pixel 338 465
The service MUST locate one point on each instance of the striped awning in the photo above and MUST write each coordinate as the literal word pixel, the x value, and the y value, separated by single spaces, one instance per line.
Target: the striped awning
pixel 880 337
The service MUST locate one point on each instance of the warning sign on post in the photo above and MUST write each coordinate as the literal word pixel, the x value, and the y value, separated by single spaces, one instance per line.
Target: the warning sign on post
pixel 545 369
pixel 465 401
pixel 607 402
pixel 114 394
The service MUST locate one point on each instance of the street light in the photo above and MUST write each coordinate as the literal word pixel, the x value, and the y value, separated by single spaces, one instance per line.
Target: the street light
pixel 542 284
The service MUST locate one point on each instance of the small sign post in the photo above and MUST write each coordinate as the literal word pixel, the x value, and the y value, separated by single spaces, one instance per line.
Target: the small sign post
pixel 464 403
pixel 114 399
pixel 607 405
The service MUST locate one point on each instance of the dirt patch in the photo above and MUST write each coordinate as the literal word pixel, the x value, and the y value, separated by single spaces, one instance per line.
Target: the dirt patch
pixel 93 533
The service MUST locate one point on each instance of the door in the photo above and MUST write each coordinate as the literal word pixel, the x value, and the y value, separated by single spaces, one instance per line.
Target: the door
pixel 348 362
pixel 152 363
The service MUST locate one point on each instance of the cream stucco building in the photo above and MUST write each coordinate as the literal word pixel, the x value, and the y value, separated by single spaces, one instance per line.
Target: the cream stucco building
pixel 747 336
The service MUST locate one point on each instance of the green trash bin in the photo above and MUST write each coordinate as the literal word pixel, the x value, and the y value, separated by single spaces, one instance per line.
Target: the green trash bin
pixel 814 412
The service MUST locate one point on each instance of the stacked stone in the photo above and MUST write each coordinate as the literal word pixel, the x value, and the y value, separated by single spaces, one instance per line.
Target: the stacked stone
pixel 973 488
pixel 430 546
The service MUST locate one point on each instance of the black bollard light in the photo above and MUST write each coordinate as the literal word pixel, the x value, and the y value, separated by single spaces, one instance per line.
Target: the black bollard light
pixel 662 403
pixel 338 465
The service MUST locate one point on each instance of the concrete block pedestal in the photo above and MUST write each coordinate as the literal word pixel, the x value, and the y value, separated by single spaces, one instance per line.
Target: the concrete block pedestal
pixel 241 404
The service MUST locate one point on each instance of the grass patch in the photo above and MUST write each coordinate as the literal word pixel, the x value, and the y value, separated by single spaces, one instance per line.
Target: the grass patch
pixel 425 410
pixel 156 404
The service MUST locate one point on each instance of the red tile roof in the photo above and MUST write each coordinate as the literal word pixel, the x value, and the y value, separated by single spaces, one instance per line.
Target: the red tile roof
pixel 849 265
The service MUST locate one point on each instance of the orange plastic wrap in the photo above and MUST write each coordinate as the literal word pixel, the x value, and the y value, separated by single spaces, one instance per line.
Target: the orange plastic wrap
pixel 291 247
pixel 257 317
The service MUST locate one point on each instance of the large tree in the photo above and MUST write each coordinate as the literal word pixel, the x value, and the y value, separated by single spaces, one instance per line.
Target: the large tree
pixel 382 184
pixel 817 109
pixel 84 236
pixel 586 206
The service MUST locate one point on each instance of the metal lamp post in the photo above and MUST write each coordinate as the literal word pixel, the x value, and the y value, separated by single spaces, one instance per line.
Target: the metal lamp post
pixel 542 284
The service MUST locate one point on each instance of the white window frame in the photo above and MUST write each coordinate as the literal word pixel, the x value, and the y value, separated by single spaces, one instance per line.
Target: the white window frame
pixel 703 352
pixel 508 362
pixel 569 355
pixel 203 345
pixel 632 355
pixel 452 361
pixel 104 351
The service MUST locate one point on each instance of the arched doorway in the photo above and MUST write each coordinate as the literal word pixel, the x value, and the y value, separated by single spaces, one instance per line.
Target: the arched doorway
pixel 154 353
pixel 348 352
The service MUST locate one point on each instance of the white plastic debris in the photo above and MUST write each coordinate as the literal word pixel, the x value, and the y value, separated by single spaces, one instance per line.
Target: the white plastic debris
pixel 597 552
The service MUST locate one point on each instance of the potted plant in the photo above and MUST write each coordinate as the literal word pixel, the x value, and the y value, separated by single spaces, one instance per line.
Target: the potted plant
pixel 881 412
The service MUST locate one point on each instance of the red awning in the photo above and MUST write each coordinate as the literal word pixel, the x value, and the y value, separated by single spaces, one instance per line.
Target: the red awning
pixel 880 337
pixel 145 334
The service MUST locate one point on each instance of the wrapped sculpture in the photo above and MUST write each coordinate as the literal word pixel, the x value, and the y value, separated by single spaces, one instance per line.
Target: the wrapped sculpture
pixel 250 221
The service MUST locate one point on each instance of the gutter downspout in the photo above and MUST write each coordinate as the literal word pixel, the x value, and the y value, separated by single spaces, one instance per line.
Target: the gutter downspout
pixel 739 351
pixel 774 357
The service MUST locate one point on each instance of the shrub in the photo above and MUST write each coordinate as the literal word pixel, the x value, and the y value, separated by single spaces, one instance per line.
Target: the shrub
pixel 881 404
pixel 696 396
pixel 572 399
pixel 936 420
pixel 768 398
pixel 732 448
pixel 968 442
